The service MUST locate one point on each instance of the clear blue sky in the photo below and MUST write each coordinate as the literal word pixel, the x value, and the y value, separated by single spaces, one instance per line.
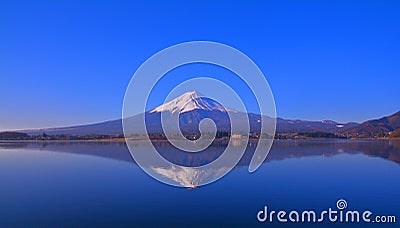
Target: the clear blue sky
pixel 63 63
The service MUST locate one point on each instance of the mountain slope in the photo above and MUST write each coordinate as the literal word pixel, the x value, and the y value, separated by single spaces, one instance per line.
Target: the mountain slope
pixel 113 127
pixel 298 126
pixel 376 128
pixel 188 102
pixel 192 108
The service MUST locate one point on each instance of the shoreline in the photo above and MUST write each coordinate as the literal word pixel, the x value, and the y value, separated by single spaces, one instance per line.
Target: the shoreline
pixel 215 140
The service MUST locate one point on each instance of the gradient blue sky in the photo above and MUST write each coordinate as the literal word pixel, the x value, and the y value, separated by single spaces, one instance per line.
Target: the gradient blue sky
pixel 63 63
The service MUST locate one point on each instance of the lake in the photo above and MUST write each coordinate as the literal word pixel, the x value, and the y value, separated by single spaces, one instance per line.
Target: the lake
pixel 93 184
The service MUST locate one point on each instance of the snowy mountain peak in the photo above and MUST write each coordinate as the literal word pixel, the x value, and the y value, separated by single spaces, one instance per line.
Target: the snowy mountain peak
pixel 187 102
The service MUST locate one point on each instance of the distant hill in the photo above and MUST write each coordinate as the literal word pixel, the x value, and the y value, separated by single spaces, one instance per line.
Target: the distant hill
pixel 301 126
pixel 192 118
pixel 376 128
pixel 113 127
pixel 8 135
pixel 395 134
pixel 193 108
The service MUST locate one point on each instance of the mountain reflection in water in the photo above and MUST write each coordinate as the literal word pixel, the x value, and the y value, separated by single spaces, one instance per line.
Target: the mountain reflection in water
pixel 281 149
pixel 190 177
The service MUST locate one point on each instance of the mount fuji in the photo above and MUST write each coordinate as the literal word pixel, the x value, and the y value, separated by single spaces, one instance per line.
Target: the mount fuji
pixel 188 102
pixel 192 108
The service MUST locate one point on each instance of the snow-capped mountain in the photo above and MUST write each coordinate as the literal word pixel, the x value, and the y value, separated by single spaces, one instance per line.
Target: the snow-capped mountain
pixel 188 102
pixel 192 108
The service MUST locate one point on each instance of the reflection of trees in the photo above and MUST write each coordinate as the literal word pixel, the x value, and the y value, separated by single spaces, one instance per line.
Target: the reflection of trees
pixel 107 149
pixel 14 145
pixel 281 149
pixel 387 149
pixel 191 177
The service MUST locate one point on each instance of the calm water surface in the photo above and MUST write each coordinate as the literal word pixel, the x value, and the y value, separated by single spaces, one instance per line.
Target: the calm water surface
pixel 55 184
